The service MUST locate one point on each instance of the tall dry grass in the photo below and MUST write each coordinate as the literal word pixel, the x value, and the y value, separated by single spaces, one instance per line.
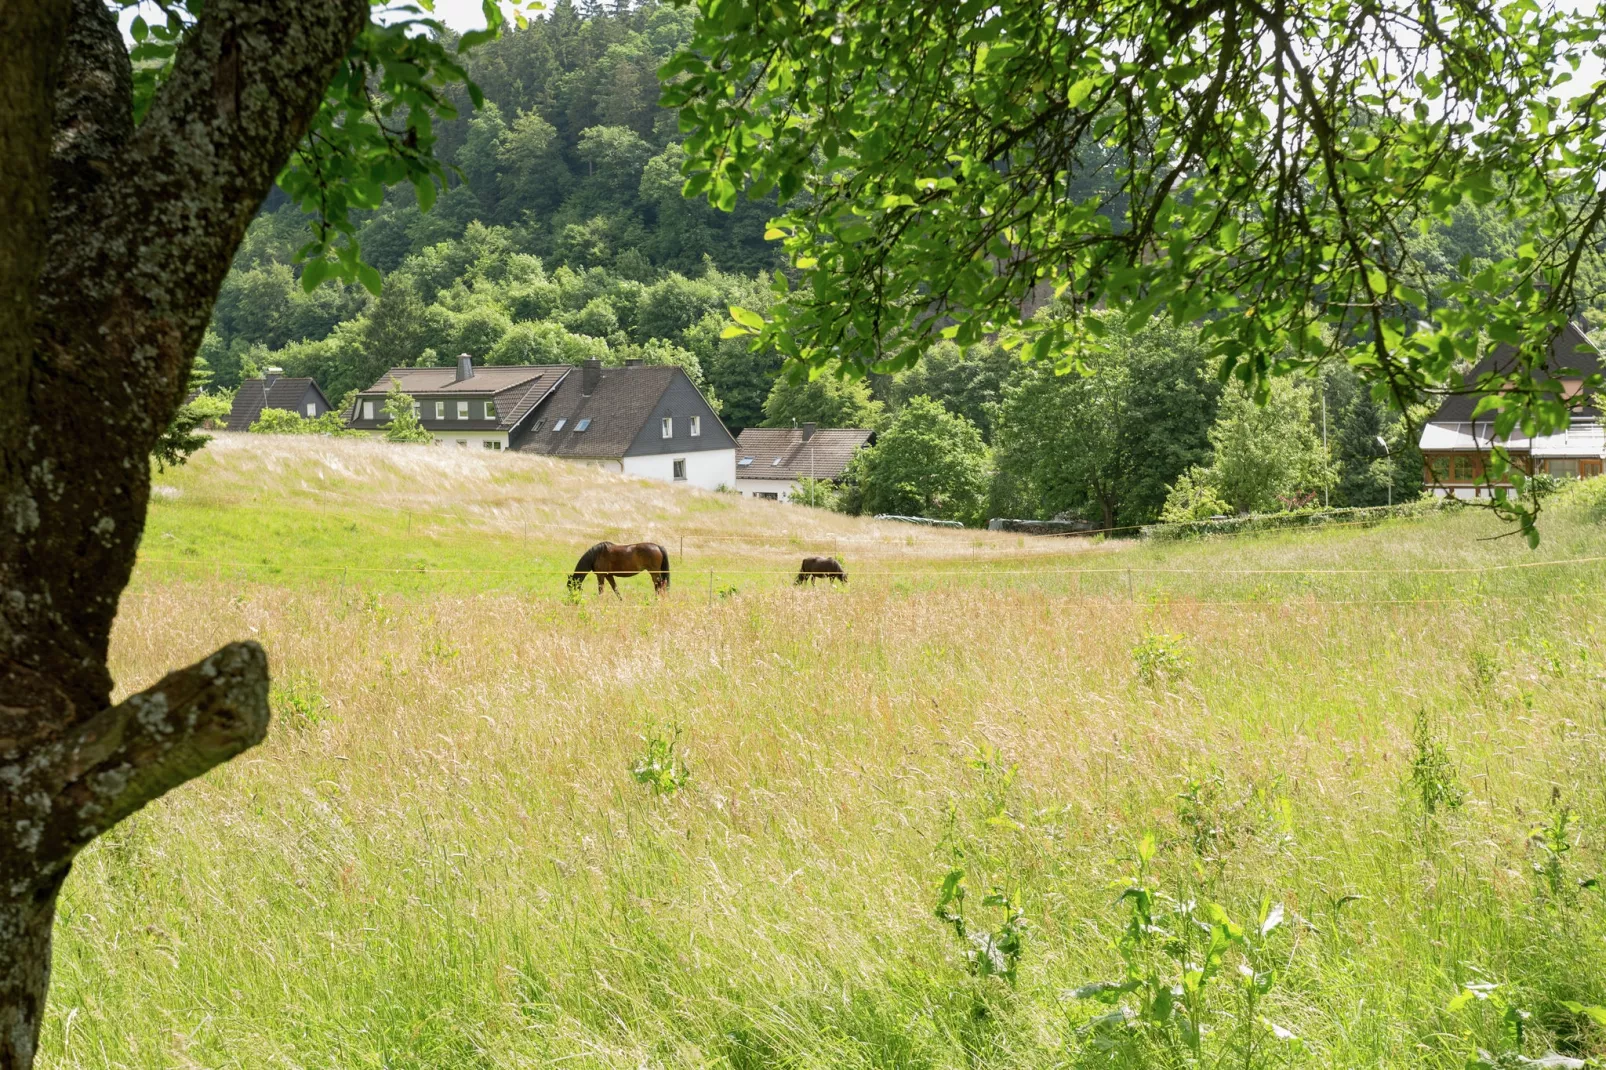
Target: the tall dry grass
pixel 440 859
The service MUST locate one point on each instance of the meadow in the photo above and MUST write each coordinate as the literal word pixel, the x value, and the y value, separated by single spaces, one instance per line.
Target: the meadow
pixel 1318 798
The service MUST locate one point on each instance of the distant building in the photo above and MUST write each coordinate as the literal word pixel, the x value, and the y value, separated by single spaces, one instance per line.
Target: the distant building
pixel 275 391
pixel 1455 445
pixel 771 460
pixel 640 420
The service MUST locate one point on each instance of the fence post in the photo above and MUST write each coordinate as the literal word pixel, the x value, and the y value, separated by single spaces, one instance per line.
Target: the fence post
pixel 683 549
pixel 1130 597
pixel 710 585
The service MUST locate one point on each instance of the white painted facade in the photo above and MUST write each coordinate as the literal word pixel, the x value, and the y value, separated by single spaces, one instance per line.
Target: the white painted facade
pixel 473 440
pixel 708 469
pixel 778 489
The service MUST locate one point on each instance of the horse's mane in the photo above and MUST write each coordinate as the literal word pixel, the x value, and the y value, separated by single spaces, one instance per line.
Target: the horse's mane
pixel 589 558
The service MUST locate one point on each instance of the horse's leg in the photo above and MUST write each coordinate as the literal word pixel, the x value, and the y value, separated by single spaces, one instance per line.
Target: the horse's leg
pixel 615 588
pixel 599 577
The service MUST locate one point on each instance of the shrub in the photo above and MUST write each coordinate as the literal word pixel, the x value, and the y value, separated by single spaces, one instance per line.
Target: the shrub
pixel 285 422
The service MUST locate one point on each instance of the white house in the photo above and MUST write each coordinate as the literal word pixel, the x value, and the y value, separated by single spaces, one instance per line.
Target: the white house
pixel 649 421
pixel 771 460
pixel 1455 445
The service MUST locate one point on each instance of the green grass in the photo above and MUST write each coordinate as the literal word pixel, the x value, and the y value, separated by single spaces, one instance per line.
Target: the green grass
pixel 441 858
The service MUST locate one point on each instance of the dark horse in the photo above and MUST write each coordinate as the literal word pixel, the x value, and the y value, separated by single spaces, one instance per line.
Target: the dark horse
pixel 821 568
pixel 607 560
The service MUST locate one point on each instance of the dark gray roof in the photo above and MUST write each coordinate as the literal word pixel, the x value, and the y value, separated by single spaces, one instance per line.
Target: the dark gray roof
pixel 619 408
pixel 1572 355
pixel 255 395
pixel 516 389
pixel 783 453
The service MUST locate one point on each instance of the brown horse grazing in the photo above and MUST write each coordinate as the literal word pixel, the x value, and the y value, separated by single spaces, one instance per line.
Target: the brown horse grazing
pixel 821 568
pixel 607 560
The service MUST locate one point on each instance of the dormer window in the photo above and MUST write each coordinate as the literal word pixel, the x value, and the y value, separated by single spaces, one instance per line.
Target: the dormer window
pixel 462 410
pixel 490 410
pixel 559 425
pixel 367 410
pixel 418 410
pixel 440 410
pixel 668 427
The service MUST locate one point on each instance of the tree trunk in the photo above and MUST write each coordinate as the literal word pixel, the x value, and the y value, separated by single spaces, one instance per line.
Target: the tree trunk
pixel 114 240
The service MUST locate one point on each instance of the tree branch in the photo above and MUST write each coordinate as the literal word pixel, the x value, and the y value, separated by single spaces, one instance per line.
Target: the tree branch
pixel 61 796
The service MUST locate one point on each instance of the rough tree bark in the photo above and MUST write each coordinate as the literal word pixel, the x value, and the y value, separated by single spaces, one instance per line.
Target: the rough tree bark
pixel 113 243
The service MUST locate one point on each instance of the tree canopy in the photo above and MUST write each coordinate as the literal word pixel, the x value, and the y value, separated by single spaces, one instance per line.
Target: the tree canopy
pixel 1267 169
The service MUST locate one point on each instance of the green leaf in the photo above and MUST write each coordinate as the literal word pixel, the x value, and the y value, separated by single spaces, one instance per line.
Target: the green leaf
pixel 314 273
pixel 370 278
pixel 746 318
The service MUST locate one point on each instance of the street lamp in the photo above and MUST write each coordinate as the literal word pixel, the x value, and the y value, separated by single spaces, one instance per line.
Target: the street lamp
pixel 1386 454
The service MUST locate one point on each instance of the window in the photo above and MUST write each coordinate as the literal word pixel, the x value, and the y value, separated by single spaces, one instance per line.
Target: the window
pixel 1588 469
pixel 668 427
pixel 768 495
pixel 491 444
pixel 775 462
pixel 696 426
pixel 745 462
pixel 440 410
pixel 490 410
pixel 1461 470
pixel 680 468
pixel 418 410
pixel 462 410
pixel 583 424
pixel 1440 467
pixel 367 410
pixel 559 425
pixel 312 409
pixel 1562 467
pixel 463 442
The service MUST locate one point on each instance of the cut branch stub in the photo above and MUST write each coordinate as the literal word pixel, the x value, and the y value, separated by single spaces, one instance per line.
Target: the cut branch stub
pixel 62 796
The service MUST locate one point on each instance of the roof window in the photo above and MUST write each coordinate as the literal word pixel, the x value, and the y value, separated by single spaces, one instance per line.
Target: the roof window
pixel 559 425
pixel 775 462
pixel 583 424
pixel 744 462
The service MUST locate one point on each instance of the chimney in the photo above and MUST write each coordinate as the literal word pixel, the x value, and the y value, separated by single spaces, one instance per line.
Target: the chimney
pixel 808 431
pixel 270 375
pixel 465 367
pixel 590 376
pixel 632 362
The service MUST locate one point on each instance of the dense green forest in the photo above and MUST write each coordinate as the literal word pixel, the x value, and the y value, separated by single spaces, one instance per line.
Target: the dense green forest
pixel 563 235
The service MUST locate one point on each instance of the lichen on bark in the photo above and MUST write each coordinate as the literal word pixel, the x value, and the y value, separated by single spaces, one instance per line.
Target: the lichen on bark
pixel 114 240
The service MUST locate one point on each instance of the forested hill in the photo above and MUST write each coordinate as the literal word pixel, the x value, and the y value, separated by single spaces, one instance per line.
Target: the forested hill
pixel 566 238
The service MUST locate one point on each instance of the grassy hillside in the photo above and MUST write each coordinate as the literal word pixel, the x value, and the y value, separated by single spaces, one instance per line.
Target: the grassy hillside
pixel 441 858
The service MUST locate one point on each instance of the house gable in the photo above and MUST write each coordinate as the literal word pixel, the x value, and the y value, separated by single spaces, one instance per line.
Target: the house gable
pixel 679 403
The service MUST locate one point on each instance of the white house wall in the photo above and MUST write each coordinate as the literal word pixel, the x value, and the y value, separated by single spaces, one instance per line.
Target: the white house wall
pixel 783 489
pixel 708 469
pixel 474 440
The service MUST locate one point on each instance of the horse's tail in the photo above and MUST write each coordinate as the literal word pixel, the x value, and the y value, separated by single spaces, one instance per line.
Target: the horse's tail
pixel 664 555
pixel 586 563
